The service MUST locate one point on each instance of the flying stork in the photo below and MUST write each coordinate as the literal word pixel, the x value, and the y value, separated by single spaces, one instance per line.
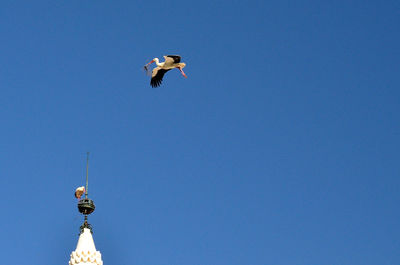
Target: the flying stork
pixel 171 62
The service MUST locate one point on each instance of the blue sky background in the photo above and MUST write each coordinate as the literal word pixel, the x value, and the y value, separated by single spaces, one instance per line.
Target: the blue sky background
pixel 281 147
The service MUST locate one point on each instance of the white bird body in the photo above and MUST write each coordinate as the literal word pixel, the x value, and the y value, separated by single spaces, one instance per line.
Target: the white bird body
pixel 171 62
pixel 79 192
pixel 157 61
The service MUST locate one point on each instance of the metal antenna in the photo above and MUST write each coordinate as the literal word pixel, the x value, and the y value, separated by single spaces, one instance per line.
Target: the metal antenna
pixel 87 174
pixel 86 206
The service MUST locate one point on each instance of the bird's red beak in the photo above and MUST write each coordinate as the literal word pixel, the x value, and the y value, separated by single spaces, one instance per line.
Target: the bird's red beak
pixel 152 61
pixel 180 69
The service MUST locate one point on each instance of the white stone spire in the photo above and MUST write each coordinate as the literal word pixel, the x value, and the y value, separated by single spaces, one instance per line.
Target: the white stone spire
pixel 85 252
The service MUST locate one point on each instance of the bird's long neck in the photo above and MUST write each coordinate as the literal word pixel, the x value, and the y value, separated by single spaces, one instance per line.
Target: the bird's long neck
pixel 158 62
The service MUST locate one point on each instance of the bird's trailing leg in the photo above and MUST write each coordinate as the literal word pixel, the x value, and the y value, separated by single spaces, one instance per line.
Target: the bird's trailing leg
pixel 180 69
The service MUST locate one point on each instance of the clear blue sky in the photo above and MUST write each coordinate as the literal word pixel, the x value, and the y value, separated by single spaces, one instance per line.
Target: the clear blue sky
pixel 280 148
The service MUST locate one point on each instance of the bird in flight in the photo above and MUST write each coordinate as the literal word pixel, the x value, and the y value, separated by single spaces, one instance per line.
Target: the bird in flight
pixel 171 62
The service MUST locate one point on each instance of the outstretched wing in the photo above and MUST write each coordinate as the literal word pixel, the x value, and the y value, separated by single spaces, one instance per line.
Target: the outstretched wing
pixel 157 76
pixel 171 59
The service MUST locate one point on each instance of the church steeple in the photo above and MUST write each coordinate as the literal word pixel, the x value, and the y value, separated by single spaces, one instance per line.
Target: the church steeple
pixel 85 252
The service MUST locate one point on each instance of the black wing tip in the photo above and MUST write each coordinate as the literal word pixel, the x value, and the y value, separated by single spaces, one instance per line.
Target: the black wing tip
pixel 155 83
pixel 157 79
pixel 176 58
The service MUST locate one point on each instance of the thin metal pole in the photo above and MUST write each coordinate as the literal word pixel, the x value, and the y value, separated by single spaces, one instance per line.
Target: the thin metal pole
pixel 87 175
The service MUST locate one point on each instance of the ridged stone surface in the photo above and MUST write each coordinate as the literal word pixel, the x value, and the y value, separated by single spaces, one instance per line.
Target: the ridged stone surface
pixel 85 257
pixel 85 252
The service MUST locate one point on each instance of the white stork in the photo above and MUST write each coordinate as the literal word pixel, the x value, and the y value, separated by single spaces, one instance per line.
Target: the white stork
pixel 79 192
pixel 171 62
